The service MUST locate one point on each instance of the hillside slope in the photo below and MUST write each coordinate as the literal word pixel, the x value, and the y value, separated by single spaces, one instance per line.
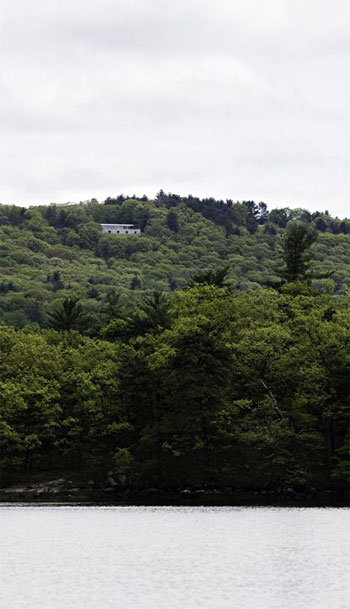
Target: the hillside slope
pixel 50 252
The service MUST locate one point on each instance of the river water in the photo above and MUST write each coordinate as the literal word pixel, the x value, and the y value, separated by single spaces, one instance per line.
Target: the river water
pixel 76 557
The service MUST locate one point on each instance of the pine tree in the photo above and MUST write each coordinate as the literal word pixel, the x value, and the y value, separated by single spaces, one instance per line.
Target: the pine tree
pixel 212 277
pixel 172 221
pixel 69 316
pixel 296 252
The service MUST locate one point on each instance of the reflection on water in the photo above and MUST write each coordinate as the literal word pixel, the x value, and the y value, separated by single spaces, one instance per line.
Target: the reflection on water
pixel 174 557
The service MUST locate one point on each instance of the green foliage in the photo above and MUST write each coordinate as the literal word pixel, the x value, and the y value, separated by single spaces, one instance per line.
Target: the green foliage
pixel 296 251
pixel 50 253
pixel 222 383
pixel 172 221
pixel 212 277
pixel 213 387
pixel 152 315
pixel 69 316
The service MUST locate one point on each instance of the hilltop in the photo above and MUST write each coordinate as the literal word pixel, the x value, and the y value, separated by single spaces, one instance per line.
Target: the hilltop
pixel 51 252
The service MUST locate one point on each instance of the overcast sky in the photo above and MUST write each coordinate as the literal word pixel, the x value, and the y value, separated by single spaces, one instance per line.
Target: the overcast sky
pixel 241 99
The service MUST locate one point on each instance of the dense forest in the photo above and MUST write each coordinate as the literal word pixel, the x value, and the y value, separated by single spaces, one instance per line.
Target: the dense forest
pixel 50 252
pixel 211 350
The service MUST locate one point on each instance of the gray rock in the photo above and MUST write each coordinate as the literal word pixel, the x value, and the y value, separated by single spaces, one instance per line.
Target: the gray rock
pixel 18 489
pixel 57 482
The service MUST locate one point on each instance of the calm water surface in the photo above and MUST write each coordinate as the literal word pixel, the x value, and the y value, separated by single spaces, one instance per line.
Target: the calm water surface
pixel 174 558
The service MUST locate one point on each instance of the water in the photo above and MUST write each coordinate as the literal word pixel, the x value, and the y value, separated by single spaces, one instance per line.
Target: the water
pixel 174 557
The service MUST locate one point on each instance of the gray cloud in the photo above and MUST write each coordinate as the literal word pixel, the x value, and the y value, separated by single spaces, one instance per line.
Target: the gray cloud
pixel 231 99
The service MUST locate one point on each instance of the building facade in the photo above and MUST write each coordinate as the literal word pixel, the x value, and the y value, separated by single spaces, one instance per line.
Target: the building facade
pixel 120 229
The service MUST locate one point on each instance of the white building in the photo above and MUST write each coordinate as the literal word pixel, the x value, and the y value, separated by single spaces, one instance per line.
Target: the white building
pixel 120 229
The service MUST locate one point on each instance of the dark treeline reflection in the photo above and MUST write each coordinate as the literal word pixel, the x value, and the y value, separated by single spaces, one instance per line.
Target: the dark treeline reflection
pixel 205 385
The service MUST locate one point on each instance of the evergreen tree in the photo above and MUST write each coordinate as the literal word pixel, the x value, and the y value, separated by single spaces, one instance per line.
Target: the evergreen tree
pixel 57 283
pixel 172 221
pixel 172 283
pixel 114 307
pixel 321 225
pixel 135 283
pixel 199 384
pixel 215 277
pixel 296 252
pixel 156 309
pixel 69 316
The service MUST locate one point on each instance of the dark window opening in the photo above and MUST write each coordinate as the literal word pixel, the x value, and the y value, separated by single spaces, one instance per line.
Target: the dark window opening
pixel 109 231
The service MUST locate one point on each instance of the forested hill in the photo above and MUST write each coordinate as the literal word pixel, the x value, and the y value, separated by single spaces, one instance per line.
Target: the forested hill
pixel 221 385
pixel 49 253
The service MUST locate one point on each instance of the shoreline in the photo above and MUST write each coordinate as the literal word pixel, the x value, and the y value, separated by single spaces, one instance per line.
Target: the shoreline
pixel 155 497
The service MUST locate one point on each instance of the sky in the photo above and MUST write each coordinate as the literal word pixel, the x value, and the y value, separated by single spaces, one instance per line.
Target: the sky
pixel 239 99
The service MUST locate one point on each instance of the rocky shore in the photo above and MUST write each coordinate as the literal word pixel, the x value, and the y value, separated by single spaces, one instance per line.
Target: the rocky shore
pixel 61 490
